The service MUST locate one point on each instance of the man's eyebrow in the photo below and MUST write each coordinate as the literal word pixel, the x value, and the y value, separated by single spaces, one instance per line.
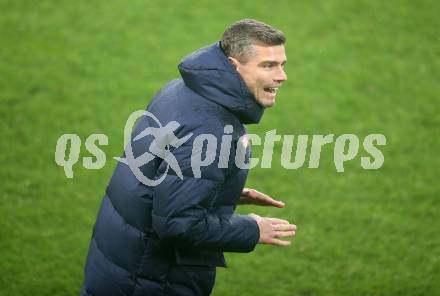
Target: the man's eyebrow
pixel 272 63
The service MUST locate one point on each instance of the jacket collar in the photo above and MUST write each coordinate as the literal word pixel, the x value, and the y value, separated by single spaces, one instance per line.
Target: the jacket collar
pixel 208 72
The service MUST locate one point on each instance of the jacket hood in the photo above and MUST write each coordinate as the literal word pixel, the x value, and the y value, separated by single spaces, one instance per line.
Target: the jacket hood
pixel 208 72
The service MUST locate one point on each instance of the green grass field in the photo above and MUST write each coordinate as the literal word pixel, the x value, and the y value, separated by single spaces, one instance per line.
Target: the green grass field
pixel 358 67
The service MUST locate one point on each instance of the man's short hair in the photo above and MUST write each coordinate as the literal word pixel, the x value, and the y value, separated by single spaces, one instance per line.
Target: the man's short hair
pixel 238 38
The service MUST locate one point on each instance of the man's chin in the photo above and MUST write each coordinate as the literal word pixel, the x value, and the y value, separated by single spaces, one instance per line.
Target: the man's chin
pixel 268 103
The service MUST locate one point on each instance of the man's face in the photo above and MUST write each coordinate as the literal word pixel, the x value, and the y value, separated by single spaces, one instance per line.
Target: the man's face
pixel 263 72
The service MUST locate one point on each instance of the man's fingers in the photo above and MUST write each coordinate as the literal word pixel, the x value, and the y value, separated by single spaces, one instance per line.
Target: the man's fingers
pixel 284 227
pixel 276 203
pixel 285 233
pixel 277 221
pixel 256 193
pixel 265 199
pixel 252 196
pixel 279 242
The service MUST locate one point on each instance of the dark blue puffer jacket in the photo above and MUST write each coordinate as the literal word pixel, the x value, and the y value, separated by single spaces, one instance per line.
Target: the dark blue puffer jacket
pixel 168 239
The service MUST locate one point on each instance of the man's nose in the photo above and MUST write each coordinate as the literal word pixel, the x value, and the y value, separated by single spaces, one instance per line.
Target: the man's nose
pixel 281 75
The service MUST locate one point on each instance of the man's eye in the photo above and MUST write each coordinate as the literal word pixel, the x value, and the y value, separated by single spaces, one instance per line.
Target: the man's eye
pixel 267 66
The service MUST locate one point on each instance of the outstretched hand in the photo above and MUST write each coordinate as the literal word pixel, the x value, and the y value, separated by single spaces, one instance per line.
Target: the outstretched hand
pixel 253 197
pixel 271 229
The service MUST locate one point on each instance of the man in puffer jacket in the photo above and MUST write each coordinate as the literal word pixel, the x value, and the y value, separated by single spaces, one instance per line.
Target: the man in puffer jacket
pixel 168 238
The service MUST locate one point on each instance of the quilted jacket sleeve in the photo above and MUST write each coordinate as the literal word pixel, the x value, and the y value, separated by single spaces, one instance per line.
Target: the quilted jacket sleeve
pixel 182 208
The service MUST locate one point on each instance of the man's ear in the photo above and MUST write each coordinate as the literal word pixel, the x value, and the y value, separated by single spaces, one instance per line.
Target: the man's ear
pixel 233 61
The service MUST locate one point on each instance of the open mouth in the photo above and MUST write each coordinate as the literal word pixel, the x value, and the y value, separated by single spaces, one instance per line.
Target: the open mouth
pixel 272 90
